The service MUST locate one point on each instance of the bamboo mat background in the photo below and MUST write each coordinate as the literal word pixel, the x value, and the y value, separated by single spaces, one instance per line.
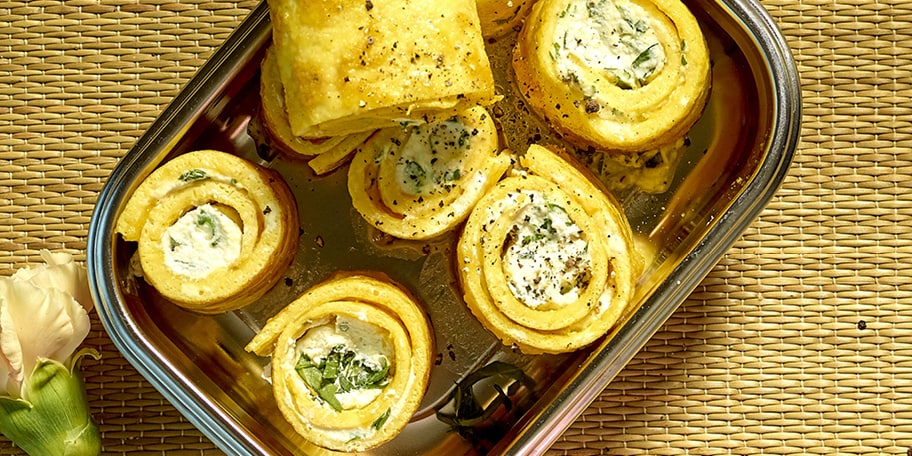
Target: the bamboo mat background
pixel 798 342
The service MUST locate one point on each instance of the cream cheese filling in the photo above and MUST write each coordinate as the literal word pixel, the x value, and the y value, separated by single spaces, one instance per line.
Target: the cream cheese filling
pixel 369 343
pixel 200 241
pixel 431 159
pixel 606 39
pixel 546 259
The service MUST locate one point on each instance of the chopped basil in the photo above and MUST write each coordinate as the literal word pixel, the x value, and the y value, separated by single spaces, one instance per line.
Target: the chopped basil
pixel 381 420
pixel 463 140
pixel 341 371
pixel 192 175
pixel 452 175
pixel 546 225
pixel 211 224
pixel 644 56
pixel 526 240
pixel 553 206
pixel 416 174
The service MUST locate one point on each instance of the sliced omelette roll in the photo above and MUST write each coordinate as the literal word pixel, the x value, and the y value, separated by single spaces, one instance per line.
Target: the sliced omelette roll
pixel 324 154
pixel 546 259
pixel 350 362
pixel 419 181
pixel 619 75
pixel 214 231
pixel 352 66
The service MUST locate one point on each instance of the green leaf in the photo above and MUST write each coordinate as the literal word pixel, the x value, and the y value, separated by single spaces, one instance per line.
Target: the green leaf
pixel 381 420
pixel 644 56
pixel 416 174
pixel 331 368
pixel 192 175
pixel 328 394
pixel 380 377
pixel 212 225
pixel 340 372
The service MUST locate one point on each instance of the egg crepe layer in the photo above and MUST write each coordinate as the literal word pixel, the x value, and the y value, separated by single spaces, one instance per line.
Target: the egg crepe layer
pixel 617 75
pixel 546 259
pixel 347 298
pixel 350 66
pixel 420 181
pixel 323 154
pixel 214 231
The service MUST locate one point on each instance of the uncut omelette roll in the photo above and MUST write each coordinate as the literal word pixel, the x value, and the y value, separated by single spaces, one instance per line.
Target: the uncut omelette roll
pixel 546 260
pixel 214 230
pixel 322 154
pixel 351 358
pixel 617 75
pixel 419 181
pixel 350 66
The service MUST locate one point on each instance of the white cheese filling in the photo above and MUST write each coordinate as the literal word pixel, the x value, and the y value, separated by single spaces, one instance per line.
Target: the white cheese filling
pixel 370 344
pixel 431 159
pixel 201 241
pixel 606 39
pixel 546 259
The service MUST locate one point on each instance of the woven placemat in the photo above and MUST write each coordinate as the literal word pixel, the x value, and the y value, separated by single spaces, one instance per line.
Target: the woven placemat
pixel 798 342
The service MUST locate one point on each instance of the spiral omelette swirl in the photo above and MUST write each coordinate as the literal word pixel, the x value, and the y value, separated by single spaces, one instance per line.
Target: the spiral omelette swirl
pixel 350 363
pixel 546 259
pixel 214 231
pixel 619 75
pixel 420 181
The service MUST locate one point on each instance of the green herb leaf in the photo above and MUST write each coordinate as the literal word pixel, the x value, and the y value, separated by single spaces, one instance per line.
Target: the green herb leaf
pixel 546 225
pixel 416 174
pixel 644 56
pixel 452 175
pixel 553 207
pixel 212 225
pixel 341 371
pixel 331 367
pixel 381 420
pixel 380 377
pixel 526 240
pixel 328 393
pixel 192 175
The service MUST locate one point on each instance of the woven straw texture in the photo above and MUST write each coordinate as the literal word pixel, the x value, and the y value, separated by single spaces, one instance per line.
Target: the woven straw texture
pixel 798 342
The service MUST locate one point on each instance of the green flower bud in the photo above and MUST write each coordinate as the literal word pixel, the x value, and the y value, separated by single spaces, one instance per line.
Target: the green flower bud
pixel 52 418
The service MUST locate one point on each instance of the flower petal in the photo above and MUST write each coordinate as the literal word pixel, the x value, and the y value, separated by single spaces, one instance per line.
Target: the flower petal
pixel 60 272
pixel 10 349
pixel 39 322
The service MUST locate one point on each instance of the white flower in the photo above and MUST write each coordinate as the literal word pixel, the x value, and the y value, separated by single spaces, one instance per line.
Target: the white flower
pixel 43 314
pixel 43 320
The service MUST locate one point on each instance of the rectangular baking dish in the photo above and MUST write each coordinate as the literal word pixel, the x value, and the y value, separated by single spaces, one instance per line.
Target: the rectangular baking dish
pixel 741 149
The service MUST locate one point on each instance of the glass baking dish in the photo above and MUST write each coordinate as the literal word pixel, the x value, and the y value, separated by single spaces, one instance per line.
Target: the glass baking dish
pixel 739 153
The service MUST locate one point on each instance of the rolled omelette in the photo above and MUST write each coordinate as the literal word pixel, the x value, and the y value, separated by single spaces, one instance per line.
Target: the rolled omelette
pixel 351 358
pixel 351 66
pixel 419 181
pixel 546 259
pixel 618 75
pixel 323 154
pixel 214 230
